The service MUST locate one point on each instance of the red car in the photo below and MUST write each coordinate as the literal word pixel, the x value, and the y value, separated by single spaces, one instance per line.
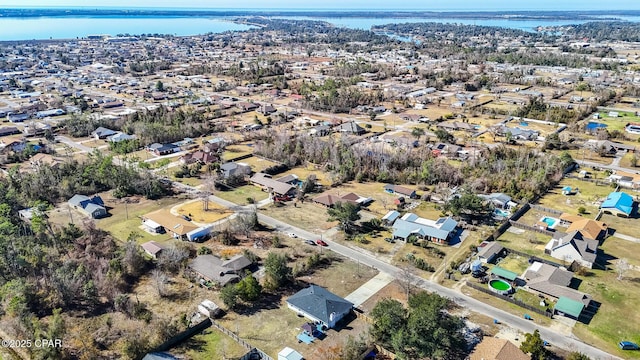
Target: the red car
pixel 321 243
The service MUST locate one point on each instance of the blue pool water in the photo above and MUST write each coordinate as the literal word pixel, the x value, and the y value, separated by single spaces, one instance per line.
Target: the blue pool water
pixel 551 222
pixel 501 212
pixel 524 123
pixel 595 125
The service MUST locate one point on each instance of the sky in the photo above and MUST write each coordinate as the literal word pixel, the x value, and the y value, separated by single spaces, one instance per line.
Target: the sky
pixel 436 5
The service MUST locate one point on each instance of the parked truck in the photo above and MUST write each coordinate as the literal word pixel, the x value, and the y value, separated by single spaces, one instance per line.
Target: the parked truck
pixel 199 234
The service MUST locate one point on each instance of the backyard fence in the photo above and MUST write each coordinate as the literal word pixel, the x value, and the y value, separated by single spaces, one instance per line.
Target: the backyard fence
pixel 504 226
pixel 242 342
pixel 545 209
pixel 534 258
pixel 511 300
pixel 599 182
pixel 241 157
pixel 531 228
pixel 184 335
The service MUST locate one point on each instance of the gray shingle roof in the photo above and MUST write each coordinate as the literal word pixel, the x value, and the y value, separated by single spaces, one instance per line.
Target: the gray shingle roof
pixel 319 302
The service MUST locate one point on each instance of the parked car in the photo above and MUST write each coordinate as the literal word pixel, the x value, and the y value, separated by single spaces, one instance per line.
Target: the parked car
pixel 186 217
pixel 477 274
pixel 310 242
pixel 292 235
pixel 628 345
pixel 321 243
pixel 389 240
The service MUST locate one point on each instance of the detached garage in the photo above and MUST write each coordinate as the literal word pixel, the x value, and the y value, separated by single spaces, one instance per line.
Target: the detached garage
pixel 289 354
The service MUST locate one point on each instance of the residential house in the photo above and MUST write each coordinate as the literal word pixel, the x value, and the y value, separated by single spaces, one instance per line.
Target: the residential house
pixel 266 110
pixel 489 251
pixel 549 280
pixel 320 130
pixel 15 144
pixel 267 183
pixel 176 226
pixel 246 106
pixel 500 200
pixel 91 206
pixel 609 147
pixel 619 204
pixel 41 159
pixel 235 169
pixel 215 144
pixel 625 179
pixel 390 218
pixel 440 231
pixel 212 268
pixel 199 156
pixel 400 190
pixel 291 179
pixel 9 130
pixel 120 136
pixel 491 348
pixel 350 128
pixel 590 229
pixel 163 149
pixel 450 150
pixel 152 248
pixel 102 133
pixel 517 133
pixel 329 200
pixel 319 305
pixel 457 126
pixel 571 247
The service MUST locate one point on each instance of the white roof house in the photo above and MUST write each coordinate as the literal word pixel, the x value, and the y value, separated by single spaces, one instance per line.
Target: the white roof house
pixel 289 354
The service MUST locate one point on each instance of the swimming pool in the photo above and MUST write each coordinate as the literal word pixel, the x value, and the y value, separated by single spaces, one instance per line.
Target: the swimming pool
pixel 501 212
pixel 551 222
pixel 595 125
pixel 500 286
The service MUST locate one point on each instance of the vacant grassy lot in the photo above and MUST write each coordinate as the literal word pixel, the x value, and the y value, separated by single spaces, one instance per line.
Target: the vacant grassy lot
pixel 194 209
pixel 257 164
pixel 234 151
pixel 543 129
pixel 588 196
pixel 428 210
pixel 501 106
pixel 211 344
pixel 617 318
pixel 309 216
pixel 627 226
pixel 585 154
pixel 240 194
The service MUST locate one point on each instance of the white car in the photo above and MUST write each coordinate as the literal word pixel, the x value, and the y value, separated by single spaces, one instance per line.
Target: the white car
pixel 292 235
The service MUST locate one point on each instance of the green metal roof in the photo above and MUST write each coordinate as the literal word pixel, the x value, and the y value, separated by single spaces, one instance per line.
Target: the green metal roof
pixel 506 274
pixel 569 307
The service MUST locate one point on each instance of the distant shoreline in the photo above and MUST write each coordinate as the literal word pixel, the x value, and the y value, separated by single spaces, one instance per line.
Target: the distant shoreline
pixel 595 15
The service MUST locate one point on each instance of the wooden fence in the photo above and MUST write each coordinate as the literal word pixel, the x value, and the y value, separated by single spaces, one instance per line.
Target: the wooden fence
pixel 531 228
pixel 252 350
pixel 534 309
pixel 534 258
pixel 545 209
pixel 184 335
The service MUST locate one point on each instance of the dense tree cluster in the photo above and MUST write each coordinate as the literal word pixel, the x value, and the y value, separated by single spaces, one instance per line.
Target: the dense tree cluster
pixel 425 330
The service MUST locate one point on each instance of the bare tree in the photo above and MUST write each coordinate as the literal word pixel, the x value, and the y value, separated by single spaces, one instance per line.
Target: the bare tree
pixel 161 281
pixel 622 267
pixel 173 258
pixel 407 279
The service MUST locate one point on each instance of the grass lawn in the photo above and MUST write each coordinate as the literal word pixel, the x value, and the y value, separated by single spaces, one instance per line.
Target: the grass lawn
pixel 240 194
pixel 212 344
pixel 585 154
pixel 617 123
pixel 528 242
pixel 257 164
pixel 530 299
pixel 427 210
pixel 234 151
pixel 628 226
pixel 617 319
pixel 504 305
pixel 382 201
pixel 191 181
pixel 309 216
pixel 197 214
pixel 588 196
pixel 626 160
pixel 120 225
pixel 516 263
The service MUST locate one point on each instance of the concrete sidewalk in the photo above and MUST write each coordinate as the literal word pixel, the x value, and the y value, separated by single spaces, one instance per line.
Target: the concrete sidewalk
pixel 370 288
